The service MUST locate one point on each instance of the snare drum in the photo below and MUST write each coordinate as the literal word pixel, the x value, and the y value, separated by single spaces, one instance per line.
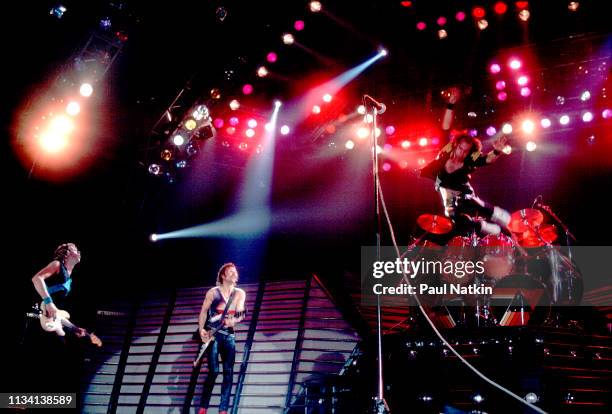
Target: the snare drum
pixel 498 255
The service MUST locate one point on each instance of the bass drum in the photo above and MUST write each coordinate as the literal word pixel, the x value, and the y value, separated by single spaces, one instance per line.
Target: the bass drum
pixel 497 255
pixel 459 249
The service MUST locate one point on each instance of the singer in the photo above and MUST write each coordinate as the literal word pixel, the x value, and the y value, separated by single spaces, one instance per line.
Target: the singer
pixel 451 171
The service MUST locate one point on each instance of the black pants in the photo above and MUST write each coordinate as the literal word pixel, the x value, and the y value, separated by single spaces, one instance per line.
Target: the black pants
pixel 467 208
pixel 226 346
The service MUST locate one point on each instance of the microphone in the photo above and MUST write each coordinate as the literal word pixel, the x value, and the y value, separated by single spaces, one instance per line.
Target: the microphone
pixel 380 107
pixel 537 201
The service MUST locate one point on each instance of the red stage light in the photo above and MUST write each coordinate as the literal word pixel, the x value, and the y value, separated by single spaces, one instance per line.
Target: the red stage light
pixel 316 109
pixel 230 130
pixel 500 7
pixel 271 57
pixel 522 80
pixel 502 96
pixel 386 166
pixel 390 130
pixel 478 12
pixel 522 4
pixel 514 64
pixel 252 123
pixel 499 85
pixel 405 144
pixel 327 98
pixel 441 20
pixel 249 133
pixel 406 3
pixel 525 91
pixel 234 121
pixel 423 141
pixel 495 68
pixel 421 26
pixel 460 16
pixel 247 89
pixel 218 123
pixel 298 25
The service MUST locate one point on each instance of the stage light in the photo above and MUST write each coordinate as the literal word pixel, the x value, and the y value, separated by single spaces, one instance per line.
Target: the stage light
pixel 181 164
pixel 587 117
pixel 249 133
pixel 522 4
pixel 192 149
pixel 252 123
pixel 478 398
pixel 386 166
pixel 473 132
pixel 315 6
pixel 105 23
pixel 378 132
pixel 327 98
pixel 478 12
pixel 406 3
pixel 507 150
pixel 277 103
pixel 606 113
pixel 218 123
pixel 390 130
pixel 403 164
pixel 564 120
pixel 591 139
pixel 57 11
pixel 491 131
pixel 531 398
pixel 585 96
pixel 288 39
pixel 522 80
pixel 154 169
pixel 55 138
pixel 316 109
pixel 247 89
pixel 442 34
pixel 361 109
pixel 200 113
pixel 545 123
pixel 190 124
pixel 530 146
pixel 215 93
pixel 573 6
pixel 387 147
pixel 349 145
pixel 514 64
pixel 500 7
pixel 269 126
pixel 262 72
pixel 528 126
pixel 500 85
pixel 363 132
pixel 524 15
pixel 502 96
pixel 298 25
pixel 423 141
pixel 233 121
pixel 234 104
pixel 460 16
pixel 507 129
pixel 382 51
pixel 441 20
pixel 559 100
pixel 435 141
pixel 243 146
pixel 495 68
pixel 166 155
pixel 86 90
pixel 421 26
pixel 285 130
pixel 178 140
pixel 259 149
pixel 525 91
pixel 271 57
pixel 483 24
pixel 330 129
pixel 73 108
pixel 230 130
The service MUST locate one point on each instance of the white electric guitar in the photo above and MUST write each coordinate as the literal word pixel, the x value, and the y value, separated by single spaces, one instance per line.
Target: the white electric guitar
pixel 60 323
pixel 216 324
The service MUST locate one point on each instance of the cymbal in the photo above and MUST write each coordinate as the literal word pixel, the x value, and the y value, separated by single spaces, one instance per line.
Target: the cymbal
pixel 435 224
pixel 548 234
pixel 522 220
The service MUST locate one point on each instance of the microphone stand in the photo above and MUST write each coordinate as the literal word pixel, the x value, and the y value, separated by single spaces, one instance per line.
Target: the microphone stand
pixel 380 405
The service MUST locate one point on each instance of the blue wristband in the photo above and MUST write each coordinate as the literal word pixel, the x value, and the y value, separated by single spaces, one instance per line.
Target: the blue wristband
pixel 47 300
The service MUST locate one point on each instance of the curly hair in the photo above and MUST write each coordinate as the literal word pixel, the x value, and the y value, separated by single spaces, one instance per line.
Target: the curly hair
pixel 222 271
pixel 61 251
pixel 457 137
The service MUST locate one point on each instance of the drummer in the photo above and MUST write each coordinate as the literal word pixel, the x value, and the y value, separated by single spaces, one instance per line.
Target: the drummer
pixel 451 171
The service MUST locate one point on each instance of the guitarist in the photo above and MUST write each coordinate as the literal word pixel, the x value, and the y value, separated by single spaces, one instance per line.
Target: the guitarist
pixel 224 340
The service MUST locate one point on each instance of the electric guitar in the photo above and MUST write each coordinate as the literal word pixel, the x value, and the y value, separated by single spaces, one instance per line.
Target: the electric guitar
pixel 60 323
pixel 216 324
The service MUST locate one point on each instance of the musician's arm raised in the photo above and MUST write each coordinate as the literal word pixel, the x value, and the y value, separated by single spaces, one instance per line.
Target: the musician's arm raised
pixel 41 287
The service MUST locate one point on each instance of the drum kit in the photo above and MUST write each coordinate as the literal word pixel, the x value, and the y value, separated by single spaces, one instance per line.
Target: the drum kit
pixel 525 268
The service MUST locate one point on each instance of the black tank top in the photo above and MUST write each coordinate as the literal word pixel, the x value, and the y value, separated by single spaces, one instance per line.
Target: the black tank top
pixel 216 309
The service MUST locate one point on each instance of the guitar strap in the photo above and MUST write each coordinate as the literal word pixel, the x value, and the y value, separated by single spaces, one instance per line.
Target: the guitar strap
pixel 227 304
